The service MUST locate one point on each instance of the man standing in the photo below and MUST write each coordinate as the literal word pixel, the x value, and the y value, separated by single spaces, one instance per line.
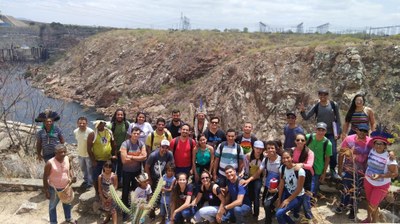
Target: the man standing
pixel 322 148
pixel 290 130
pixel 133 153
pixel 81 136
pixel 154 139
pixel 58 176
pixel 213 134
pixel 174 126
pixel 99 148
pixel 227 153
pixel 182 148
pixel 119 127
pixel 326 111
pixel 49 136
pixel 246 139
pixel 238 203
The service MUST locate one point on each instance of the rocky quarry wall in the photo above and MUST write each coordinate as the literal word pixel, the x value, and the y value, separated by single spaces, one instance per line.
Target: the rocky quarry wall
pixel 239 77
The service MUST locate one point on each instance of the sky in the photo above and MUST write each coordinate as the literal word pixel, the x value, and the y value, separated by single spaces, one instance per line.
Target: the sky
pixel 209 14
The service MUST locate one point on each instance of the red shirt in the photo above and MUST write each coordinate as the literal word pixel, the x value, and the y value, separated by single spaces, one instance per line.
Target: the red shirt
pixel 183 152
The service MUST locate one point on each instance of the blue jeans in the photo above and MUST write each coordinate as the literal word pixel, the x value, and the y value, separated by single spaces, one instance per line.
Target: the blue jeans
pixel 348 183
pixel 208 213
pixel 315 184
pixel 238 212
pixel 185 214
pixel 53 207
pixel 254 189
pixel 333 161
pixel 295 204
pixel 87 169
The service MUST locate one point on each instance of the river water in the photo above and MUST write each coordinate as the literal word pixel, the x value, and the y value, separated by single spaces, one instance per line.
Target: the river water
pixel 21 102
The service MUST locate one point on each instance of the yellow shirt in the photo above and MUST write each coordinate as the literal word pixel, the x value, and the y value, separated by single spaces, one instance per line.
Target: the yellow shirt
pixel 157 139
pixel 102 146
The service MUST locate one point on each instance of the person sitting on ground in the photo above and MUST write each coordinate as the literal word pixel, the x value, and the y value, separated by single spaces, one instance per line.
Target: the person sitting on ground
pixel 291 191
pixel 105 180
pixel 181 200
pixel 210 194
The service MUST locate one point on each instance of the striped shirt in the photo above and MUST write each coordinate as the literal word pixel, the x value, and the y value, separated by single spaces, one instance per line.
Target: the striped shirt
pixel 358 118
pixel 228 157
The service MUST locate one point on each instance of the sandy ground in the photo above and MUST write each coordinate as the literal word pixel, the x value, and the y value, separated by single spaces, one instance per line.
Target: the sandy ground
pixel 11 201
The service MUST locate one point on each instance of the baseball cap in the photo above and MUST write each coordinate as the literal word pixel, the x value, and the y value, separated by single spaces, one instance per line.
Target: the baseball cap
pixel 290 113
pixel 258 144
pixel 165 143
pixel 323 90
pixel 364 127
pixel 321 125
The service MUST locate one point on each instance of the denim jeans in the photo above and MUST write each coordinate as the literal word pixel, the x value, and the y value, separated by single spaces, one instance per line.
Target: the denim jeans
pixel 208 213
pixel 254 189
pixel 269 201
pixel 185 214
pixel 86 166
pixel 315 184
pixel 53 207
pixel 129 184
pixel 295 204
pixel 333 160
pixel 348 183
pixel 238 212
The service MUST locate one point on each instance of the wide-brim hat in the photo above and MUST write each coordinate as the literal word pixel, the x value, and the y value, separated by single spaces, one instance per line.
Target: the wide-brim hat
pixel 46 115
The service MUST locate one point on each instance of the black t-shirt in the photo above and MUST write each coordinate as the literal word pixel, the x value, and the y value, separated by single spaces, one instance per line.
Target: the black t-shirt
pixel 208 195
pixel 157 163
pixel 175 130
pixel 215 139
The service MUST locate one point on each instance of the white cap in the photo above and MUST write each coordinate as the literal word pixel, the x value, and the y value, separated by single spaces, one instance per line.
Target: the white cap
pixel 142 177
pixel 165 143
pixel 259 144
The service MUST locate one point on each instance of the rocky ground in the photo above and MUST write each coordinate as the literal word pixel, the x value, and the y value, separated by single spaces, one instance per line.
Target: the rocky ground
pixel 11 201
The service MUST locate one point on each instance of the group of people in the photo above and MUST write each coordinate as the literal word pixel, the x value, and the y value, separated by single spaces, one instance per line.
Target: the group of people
pixel 218 176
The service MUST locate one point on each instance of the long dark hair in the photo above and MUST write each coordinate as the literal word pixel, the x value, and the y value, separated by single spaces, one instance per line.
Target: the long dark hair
pixel 114 117
pixel 304 151
pixel 252 156
pixel 139 113
pixel 177 190
pixel 352 108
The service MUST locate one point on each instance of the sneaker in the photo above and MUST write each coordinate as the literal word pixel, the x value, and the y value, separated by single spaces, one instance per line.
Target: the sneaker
pixel 335 176
pixel 71 221
pixel 352 216
pixel 339 210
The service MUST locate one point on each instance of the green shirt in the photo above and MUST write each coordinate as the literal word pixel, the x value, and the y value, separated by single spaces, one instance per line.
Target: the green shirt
pixel 119 134
pixel 318 148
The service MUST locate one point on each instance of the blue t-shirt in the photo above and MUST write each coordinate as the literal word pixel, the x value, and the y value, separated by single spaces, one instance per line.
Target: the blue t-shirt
pixel 236 189
pixel 167 194
pixel 290 136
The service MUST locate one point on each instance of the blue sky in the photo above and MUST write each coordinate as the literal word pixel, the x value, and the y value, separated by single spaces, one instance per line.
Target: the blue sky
pixel 208 14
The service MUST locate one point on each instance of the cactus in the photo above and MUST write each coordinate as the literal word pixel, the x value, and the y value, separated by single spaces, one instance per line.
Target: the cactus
pixel 139 208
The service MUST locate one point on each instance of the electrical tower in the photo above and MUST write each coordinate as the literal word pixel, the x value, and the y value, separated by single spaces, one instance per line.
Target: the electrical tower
pixel 324 28
pixel 299 28
pixel 184 23
pixel 263 27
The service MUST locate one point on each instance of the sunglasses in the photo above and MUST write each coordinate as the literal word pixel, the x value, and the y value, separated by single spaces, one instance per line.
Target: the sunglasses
pixel 205 178
pixel 364 131
pixel 291 117
pixel 300 140
pixel 214 122
pixel 323 94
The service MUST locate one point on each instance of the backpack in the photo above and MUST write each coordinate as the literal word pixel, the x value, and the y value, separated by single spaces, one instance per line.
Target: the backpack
pixel 310 139
pixel 283 168
pixel 253 138
pixel 152 138
pixel 221 147
pixel 191 147
pixel 113 126
pixel 333 105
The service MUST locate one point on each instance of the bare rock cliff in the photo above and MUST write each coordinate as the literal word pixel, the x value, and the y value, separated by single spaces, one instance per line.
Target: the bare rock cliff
pixel 239 77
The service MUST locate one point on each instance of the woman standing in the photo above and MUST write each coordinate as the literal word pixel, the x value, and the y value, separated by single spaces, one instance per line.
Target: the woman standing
pixel 357 114
pixel 141 123
pixel 291 189
pixel 181 197
pixel 211 193
pixel 380 169
pixel 303 157
pixel 203 157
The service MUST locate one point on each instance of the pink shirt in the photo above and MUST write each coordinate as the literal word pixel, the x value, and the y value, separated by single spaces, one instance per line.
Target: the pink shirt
pixel 59 173
pixel 310 159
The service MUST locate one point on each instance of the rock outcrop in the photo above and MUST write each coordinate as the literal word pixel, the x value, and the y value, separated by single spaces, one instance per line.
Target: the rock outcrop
pixel 238 76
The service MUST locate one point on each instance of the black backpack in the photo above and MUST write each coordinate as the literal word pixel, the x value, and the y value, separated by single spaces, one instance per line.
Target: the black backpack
pixel 221 147
pixel 333 105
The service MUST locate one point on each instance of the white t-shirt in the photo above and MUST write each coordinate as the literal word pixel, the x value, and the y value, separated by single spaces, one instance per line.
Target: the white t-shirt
pixel 146 130
pixel 378 164
pixel 81 139
pixel 291 180
pixel 143 193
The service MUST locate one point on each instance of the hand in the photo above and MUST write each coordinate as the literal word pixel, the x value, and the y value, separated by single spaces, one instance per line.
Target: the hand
pixel 73 180
pixel 94 163
pixel 297 166
pixel 244 182
pixel 337 137
pixel 284 203
pixel 301 107
pixel 215 177
pixel 223 191
pixel 273 190
pixel 47 194
pixel 392 156
pixel 375 176
pixel 219 215
pixel 322 177
pixel 343 136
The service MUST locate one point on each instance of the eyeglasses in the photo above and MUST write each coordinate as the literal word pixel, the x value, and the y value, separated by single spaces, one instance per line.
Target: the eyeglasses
pixel 300 140
pixel 205 178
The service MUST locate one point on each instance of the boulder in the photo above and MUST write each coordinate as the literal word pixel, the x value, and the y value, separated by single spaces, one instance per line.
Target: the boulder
pixel 26 207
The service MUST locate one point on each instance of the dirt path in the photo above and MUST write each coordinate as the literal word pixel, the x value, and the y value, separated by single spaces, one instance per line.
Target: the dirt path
pixel 11 201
